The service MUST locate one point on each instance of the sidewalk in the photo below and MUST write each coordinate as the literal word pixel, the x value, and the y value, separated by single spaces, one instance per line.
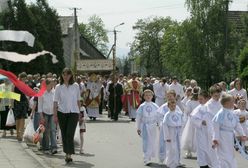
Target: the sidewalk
pixel 14 154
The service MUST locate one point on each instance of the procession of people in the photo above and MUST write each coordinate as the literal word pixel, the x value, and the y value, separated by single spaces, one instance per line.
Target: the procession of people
pixel 171 118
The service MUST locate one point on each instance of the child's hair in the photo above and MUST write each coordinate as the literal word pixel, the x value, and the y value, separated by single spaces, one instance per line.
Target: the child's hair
pixel 148 91
pixel 172 92
pixel 189 89
pixel 238 80
pixel 214 89
pixel 204 94
pixel 225 98
pixel 195 93
pixel 186 81
pixel 48 81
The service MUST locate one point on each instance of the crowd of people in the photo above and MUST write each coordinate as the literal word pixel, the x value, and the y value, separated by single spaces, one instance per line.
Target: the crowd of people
pixel 184 117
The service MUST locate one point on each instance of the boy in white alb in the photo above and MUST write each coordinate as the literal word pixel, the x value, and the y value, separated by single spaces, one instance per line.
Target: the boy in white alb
pixel 200 118
pixel 225 122
pixel 214 105
pixel 171 95
pixel 242 114
pixel 172 125
pixel 147 126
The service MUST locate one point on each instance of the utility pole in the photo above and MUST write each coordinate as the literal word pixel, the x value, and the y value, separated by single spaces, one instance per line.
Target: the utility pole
pixel 114 53
pixel 114 65
pixel 76 40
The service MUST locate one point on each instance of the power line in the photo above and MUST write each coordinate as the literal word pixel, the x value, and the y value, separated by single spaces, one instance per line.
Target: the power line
pixel 168 7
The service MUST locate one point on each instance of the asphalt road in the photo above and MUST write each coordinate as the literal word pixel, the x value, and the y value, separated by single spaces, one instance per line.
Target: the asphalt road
pixel 111 144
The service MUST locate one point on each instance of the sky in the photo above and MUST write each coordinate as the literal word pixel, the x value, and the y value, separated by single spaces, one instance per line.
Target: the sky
pixel 114 12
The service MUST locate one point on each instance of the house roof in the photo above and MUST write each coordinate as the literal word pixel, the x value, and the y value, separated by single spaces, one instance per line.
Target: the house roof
pixel 87 49
pixel 90 49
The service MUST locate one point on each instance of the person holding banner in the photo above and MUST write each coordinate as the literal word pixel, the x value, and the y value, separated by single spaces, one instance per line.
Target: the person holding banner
pixel 5 105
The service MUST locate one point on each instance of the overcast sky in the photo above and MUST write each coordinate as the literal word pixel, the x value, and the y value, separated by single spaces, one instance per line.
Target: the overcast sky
pixel 114 12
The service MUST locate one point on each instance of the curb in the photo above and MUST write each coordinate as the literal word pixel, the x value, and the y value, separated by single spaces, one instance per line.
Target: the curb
pixel 42 163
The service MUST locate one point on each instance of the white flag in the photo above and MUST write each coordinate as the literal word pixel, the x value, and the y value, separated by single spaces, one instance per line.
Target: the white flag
pixel 16 57
pixel 17 36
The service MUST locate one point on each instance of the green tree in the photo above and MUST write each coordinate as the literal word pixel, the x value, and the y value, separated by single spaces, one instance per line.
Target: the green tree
pixel 42 21
pixel 243 63
pixel 147 43
pixel 95 32
pixel 210 19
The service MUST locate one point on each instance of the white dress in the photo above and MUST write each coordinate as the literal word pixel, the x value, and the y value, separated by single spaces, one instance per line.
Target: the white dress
pixel 213 107
pixel 172 125
pixel 225 123
pixel 83 124
pixel 162 145
pixel 147 120
pixel 160 93
pixel 184 102
pixel 188 135
pixel 206 155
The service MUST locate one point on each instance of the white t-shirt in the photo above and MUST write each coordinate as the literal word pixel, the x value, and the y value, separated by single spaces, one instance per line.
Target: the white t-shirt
pixel 45 103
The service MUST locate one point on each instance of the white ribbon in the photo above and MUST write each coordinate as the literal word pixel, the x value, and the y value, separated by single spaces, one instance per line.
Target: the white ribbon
pixel 16 57
pixel 17 36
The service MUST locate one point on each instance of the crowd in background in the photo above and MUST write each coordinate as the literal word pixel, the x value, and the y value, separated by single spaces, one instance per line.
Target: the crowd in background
pixel 65 102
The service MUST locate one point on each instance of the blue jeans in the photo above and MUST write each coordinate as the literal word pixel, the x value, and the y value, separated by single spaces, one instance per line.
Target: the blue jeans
pixel 49 136
pixel 36 120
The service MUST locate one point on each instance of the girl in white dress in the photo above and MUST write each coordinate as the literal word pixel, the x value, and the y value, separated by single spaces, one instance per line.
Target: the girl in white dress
pixel 188 135
pixel 82 126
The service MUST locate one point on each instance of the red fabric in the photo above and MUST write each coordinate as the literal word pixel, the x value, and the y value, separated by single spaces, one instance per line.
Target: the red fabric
pixel 129 97
pixel 25 89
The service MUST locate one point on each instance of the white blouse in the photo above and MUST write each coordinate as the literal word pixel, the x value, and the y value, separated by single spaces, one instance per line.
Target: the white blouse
pixel 67 98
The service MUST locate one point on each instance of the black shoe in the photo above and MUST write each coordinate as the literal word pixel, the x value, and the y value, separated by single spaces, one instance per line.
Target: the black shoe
pixel 94 118
pixel 54 152
pixel 68 160
pixel 133 119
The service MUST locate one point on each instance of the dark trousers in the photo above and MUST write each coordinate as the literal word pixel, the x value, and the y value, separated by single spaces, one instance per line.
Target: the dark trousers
pixel 204 166
pixel 68 123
